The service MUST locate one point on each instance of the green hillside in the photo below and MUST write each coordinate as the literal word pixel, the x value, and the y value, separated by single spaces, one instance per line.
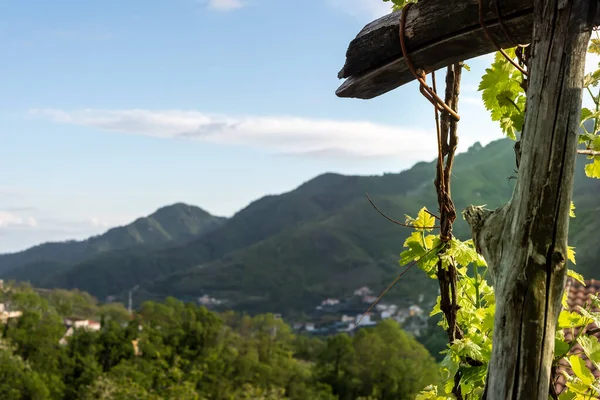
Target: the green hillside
pixel 174 224
pixel 285 253
pixel 350 247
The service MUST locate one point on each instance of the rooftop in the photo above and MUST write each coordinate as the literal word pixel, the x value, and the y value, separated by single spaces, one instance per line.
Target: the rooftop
pixel 578 295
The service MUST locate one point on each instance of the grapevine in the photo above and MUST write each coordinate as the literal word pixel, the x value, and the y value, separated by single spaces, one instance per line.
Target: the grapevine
pixel 464 367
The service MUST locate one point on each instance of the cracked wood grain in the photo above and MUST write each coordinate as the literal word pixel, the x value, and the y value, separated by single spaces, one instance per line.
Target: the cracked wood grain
pixel 438 33
pixel 525 242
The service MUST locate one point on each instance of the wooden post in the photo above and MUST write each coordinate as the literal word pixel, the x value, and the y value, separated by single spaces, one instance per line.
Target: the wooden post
pixel 525 242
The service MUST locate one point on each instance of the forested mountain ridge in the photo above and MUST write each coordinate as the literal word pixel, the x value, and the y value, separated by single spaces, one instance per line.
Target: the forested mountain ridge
pixel 285 253
pixel 173 224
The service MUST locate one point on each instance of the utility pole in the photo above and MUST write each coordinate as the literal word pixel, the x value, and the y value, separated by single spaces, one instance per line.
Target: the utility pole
pixel 130 297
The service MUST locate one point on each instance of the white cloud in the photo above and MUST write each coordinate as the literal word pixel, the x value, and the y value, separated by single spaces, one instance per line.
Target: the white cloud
pixel 225 5
pixel 276 134
pixel 98 223
pixel 362 9
pixel 21 233
pixel 8 219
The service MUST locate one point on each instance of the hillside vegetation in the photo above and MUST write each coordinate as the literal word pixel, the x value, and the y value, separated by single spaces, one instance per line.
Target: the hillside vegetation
pixel 286 253
pixel 170 225
pixel 180 351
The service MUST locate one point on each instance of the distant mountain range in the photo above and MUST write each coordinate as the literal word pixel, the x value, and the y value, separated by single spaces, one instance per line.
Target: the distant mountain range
pixel 286 253
pixel 168 226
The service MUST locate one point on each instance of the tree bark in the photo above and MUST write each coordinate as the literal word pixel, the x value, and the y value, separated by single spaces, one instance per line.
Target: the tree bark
pixel 525 242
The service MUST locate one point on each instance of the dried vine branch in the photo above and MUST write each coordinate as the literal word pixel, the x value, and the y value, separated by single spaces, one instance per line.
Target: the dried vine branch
pixel 447 143
pixel 588 152
pixel 392 219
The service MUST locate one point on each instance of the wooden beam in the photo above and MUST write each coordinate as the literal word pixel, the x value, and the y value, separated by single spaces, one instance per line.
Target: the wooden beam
pixel 438 33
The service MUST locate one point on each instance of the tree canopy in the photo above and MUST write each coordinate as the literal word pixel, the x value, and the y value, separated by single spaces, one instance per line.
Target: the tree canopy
pixel 188 352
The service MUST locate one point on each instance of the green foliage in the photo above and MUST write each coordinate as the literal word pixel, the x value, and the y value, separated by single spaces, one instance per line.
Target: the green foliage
pixel 190 353
pixel 17 380
pixel 503 94
pixel 589 118
pixel 372 364
pixel 582 384
pixel 470 354
pixel 399 4
pixel 476 301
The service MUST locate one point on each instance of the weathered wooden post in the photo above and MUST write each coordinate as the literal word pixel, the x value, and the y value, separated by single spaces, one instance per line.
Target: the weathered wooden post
pixel 525 241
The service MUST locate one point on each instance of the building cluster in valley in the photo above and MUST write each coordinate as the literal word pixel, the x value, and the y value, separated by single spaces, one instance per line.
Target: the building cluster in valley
pixel 335 315
pixel 331 316
pixel 8 313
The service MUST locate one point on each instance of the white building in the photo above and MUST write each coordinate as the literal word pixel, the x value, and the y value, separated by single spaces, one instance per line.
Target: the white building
pixel 330 302
pixel 363 291
pixel 86 324
pixel 369 299
pixel 366 320
pixel 206 300
pixel 6 315
pixel 347 318
pixel 415 311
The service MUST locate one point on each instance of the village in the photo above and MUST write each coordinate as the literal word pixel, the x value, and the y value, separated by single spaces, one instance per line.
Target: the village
pixel 330 317
pixel 339 315
pixel 348 314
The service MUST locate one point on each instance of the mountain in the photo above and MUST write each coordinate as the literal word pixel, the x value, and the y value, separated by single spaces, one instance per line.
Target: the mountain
pixel 347 247
pixel 286 253
pixel 174 224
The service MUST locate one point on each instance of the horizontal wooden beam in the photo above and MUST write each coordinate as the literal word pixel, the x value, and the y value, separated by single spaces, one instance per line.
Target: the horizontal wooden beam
pixel 438 33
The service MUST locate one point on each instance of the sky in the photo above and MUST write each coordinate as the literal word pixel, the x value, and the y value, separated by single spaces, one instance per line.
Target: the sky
pixel 111 109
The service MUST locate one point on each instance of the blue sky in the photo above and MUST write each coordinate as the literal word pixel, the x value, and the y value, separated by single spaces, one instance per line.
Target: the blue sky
pixel 113 108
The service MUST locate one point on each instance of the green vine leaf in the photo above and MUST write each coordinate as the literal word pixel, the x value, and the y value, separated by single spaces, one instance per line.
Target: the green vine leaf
pixel 594 47
pixel 561 348
pixel 591 348
pixel 571 255
pixel 420 248
pixel 424 220
pixel 570 319
pixel 578 277
pixel 581 371
pixel 590 316
pixel 399 4
pixel 467 348
pixel 579 390
pixel 567 396
pixel 503 95
pixel 464 253
pixel 593 170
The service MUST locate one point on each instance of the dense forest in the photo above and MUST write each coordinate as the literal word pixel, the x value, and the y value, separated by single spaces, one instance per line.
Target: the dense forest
pixel 176 350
